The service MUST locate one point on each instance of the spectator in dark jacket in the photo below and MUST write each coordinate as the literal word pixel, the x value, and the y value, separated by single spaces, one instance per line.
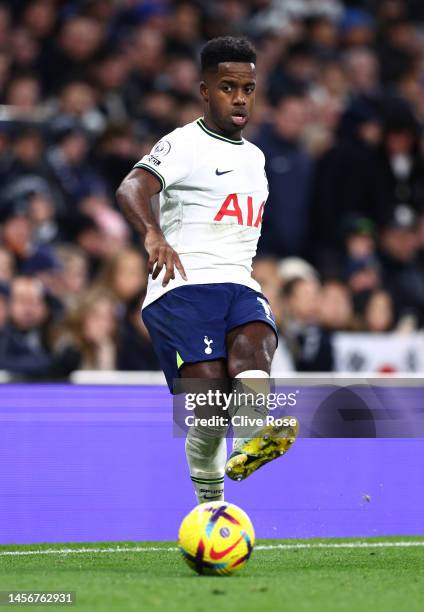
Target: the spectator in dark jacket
pixel 289 171
pixel 345 182
pixel 23 348
pixel 69 165
pixel 402 269
pixel 400 170
pixel 308 342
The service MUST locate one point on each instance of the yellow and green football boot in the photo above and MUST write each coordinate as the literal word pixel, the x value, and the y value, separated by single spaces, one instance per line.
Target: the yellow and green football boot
pixel 264 445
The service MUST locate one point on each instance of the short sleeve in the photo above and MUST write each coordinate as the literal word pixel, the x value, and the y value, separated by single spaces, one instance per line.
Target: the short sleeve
pixel 169 161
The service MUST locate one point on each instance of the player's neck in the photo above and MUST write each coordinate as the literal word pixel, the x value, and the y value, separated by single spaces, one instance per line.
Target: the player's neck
pixel 211 125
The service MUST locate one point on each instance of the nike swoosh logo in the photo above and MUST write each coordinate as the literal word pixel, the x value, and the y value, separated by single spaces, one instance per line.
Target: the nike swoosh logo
pixel 218 555
pixel 218 173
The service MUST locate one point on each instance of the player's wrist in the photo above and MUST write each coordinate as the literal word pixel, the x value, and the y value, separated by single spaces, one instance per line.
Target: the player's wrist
pixel 153 232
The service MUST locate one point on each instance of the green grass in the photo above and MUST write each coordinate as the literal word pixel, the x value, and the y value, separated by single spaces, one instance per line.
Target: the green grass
pixel 286 579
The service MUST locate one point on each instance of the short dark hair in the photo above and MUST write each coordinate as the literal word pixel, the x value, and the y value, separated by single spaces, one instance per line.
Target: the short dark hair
pixel 226 49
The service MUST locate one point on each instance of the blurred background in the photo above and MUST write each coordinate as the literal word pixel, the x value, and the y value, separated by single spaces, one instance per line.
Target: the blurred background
pixel 86 89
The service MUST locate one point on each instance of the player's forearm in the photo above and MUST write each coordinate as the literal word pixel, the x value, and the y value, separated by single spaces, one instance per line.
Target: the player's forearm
pixel 135 202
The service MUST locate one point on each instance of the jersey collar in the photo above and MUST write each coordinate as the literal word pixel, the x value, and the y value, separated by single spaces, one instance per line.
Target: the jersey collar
pixel 202 125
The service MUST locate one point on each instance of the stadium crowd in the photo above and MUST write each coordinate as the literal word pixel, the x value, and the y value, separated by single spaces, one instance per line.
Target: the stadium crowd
pixel 88 87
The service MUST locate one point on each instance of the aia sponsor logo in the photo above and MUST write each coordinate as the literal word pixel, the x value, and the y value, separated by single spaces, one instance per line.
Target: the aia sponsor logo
pixel 246 212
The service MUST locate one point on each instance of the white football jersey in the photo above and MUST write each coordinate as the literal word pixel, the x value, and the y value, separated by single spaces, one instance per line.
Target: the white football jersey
pixel 211 204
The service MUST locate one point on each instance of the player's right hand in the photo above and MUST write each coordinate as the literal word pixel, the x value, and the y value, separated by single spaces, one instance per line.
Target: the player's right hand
pixel 160 254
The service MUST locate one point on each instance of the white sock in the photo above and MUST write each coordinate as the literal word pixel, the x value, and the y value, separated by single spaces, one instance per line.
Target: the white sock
pixel 206 452
pixel 250 382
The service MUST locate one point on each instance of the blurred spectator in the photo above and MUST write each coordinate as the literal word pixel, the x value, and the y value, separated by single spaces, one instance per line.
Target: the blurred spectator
pixel 23 343
pixel 116 151
pixel 157 112
pixel 363 72
pixel 17 231
pixel 182 76
pixel 374 311
pixel 402 271
pixel 27 153
pixel 86 233
pixel 87 88
pixel 397 49
pixel 379 312
pixel 25 50
pixel 25 170
pixel 45 229
pixel 79 99
pixel 345 183
pixel 357 27
pixel 362 269
pixel 40 17
pixel 68 163
pixel 90 328
pixel 147 57
pixel 23 92
pixel 308 342
pixel 125 275
pixel 363 274
pixel 110 72
pixel 185 29
pixel 114 230
pixel 359 237
pixel 400 173
pixel 44 266
pixel 289 172
pixel 328 99
pixel 297 67
pixel 190 110
pixel 79 39
pixel 336 309
pixel 74 274
pixel 323 35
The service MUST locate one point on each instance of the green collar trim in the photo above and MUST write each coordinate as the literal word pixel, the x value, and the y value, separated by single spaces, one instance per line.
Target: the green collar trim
pixel 201 123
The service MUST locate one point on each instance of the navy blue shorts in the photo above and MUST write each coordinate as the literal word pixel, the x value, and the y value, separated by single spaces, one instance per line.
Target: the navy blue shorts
pixel 189 324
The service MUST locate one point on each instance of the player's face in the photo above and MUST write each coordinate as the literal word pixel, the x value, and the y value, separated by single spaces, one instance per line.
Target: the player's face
pixel 229 94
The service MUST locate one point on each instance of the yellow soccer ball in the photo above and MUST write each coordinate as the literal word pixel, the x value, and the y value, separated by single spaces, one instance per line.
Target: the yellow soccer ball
pixel 216 538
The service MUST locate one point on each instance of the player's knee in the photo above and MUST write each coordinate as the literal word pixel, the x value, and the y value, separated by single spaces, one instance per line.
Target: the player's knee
pixel 251 352
pixel 255 359
pixel 243 365
pixel 214 369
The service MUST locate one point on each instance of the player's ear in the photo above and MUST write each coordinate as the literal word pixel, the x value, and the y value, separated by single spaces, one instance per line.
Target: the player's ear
pixel 204 91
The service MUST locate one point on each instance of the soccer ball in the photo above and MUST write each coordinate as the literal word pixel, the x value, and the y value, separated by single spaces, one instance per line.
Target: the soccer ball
pixel 216 538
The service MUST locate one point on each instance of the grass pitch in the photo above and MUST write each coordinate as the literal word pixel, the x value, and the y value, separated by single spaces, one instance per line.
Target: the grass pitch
pixel 381 574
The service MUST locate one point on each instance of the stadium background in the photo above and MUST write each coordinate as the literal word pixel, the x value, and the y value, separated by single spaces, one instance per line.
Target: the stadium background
pixel 88 87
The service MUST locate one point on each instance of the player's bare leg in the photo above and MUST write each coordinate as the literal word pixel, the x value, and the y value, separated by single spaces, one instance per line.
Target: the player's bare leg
pixel 251 348
pixel 206 447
